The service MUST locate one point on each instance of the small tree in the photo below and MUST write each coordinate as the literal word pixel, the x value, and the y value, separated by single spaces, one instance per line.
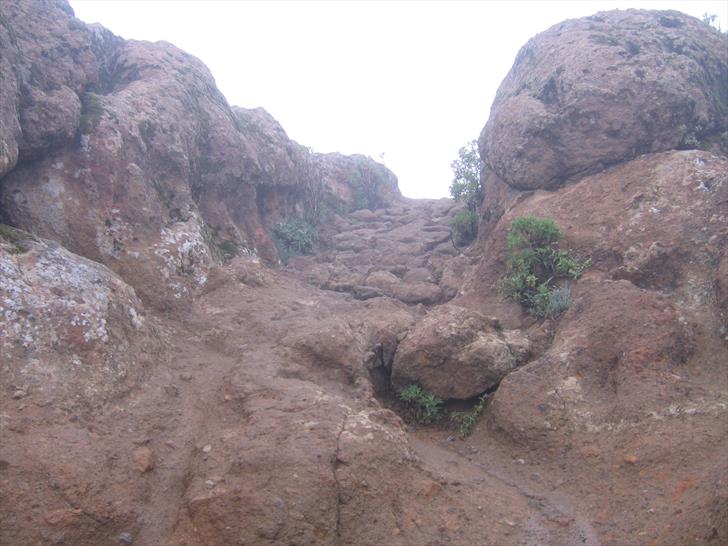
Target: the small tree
pixel 465 188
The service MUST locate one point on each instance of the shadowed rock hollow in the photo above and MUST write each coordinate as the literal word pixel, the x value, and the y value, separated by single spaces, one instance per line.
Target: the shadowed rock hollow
pixel 164 380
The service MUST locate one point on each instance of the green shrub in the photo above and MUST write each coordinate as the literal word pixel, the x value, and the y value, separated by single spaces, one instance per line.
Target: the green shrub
pixel 425 406
pixel 368 181
pixel 15 237
pixel 228 250
pixel 465 186
pixel 465 226
pixel 537 269
pixel 293 237
pixel 468 419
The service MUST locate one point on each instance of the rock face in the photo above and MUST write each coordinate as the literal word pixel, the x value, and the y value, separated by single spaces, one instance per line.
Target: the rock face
pixel 48 60
pixel 603 89
pixel 456 353
pixel 145 167
pixel 610 377
pixel 73 334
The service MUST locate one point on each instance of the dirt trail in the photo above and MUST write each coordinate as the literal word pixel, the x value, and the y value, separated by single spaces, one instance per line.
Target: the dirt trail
pixel 264 427
pixel 242 355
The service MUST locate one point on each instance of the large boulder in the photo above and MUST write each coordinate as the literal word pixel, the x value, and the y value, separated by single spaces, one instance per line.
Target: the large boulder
pixel 73 334
pixel 595 91
pixel 605 366
pixel 356 181
pixel 457 353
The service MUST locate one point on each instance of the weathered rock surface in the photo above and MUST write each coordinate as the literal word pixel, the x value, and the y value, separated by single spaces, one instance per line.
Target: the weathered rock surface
pixel 402 251
pixel 145 166
pixel 72 333
pixel 48 60
pixel 456 353
pixel 658 220
pixel 595 91
pixel 640 354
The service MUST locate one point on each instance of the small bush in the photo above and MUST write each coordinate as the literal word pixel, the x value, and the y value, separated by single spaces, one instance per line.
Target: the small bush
pixel 465 186
pixel 468 419
pixel 293 237
pixel 228 250
pixel 538 269
pixel 425 406
pixel 464 226
pixel 15 237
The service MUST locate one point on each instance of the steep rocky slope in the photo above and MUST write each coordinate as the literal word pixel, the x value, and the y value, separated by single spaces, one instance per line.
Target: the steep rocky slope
pixel 262 413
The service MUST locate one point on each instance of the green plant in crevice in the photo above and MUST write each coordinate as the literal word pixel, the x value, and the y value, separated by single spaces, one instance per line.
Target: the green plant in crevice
pixel 293 237
pixel 92 110
pixel 15 237
pixel 537 269
pixel 467 420
pixel 425 406
pixel 228 249
pixel 464 226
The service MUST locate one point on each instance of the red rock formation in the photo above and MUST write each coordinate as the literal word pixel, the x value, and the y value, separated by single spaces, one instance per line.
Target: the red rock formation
pixel 639 358
pixel 591 92
pixel 140 163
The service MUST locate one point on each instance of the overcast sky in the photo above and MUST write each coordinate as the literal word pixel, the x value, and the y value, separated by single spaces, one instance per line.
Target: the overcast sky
pixel 410 80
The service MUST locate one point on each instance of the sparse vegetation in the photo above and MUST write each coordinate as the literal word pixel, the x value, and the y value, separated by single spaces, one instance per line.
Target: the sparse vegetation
pixel 465 188
pixel 537 269
pixel 467 420
pixel 293 237
pixel 367 183
pixel 92 109
pixel 15 236
pixel 711 20
pixel 464 226
pixel 425 407
pixel 228 249
pixel 690 139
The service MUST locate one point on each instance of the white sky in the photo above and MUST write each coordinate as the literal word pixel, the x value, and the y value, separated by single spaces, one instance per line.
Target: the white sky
pixel 413 80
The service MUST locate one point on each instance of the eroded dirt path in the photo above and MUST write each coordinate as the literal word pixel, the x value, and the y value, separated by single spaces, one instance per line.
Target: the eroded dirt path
pixel 263 425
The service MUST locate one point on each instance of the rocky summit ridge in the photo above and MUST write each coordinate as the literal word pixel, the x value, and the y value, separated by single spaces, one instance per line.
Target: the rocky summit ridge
pixel 170 374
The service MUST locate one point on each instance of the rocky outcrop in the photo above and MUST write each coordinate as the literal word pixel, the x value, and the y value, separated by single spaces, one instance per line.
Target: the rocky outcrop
pixel 144 166
pixel 357 182
pixel 49 59
pixel 73 334
pixel 456 353
pixel 591 92
pixel 658 220
pixel 610 377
